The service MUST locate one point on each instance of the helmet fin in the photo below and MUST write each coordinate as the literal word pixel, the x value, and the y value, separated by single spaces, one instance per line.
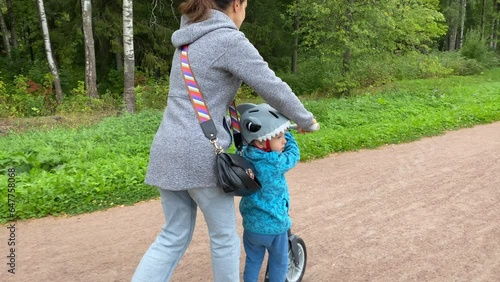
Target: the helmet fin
pixel 241 108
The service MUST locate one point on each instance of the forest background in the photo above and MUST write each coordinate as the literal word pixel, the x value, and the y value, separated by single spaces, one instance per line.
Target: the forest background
pixel 71 56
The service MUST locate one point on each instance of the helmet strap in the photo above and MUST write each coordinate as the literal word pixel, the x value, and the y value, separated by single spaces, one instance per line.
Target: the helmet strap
pixel 268 146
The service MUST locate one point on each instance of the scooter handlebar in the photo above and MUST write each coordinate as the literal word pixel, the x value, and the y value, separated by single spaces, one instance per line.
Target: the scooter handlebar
pixel 312 128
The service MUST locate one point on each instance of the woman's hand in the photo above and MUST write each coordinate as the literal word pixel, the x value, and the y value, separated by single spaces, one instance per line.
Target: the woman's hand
pixel 313 127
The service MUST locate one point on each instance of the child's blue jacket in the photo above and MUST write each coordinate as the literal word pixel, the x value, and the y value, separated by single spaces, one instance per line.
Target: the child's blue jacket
pixel 266 211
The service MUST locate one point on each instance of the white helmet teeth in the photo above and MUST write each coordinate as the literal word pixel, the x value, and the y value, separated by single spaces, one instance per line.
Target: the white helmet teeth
pixel 261 122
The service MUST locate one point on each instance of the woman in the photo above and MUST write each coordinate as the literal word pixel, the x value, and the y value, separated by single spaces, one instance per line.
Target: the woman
pixel 182 160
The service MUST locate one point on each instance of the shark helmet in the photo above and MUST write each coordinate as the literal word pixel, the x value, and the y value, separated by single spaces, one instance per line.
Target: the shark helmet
pixel 260 122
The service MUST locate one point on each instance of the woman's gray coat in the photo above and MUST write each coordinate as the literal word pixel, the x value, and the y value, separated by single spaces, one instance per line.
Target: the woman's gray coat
pixel 221 58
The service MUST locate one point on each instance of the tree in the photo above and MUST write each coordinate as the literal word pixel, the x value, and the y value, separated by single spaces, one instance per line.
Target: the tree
pixel 5 34
pixel 128 50
pixel 482 20
pixel 48 51
pixel 452 12
pixel 90 67
pixel 295 52
pixel 269 25
pixel 13 24
pixel 463 12
pixel 495 24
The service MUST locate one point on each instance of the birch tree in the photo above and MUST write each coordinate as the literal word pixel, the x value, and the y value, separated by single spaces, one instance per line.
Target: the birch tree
pixel 13 24
pixel 128 50
pixel 462 23
pixel 5 34
pixel 90 67
pixel 494 24
pixel 48 51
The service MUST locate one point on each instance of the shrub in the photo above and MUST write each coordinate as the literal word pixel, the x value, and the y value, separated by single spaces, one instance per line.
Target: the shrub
pixel 476 48
pixel 152 95
pixel 27 98
pixel 314 74
pixel 5 109
pixel 80 102
pixel 246 92
pixel 459 64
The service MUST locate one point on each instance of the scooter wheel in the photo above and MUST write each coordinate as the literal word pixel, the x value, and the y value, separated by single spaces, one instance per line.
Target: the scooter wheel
pixel 296 272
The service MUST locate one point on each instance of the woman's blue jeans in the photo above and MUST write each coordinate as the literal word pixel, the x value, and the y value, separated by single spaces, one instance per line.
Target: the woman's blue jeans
pixel 255 249
pixel 179 207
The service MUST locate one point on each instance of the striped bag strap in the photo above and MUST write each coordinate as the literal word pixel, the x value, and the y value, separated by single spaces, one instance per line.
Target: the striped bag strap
pixel 201 108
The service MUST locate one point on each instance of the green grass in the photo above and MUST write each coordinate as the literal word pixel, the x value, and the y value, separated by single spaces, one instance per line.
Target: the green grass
pixel 93 167
pixel 79 170
pixel 403 112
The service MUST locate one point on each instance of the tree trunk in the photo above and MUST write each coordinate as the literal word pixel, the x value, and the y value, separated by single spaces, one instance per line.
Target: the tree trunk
pixel 48 50
pixel 29 43
pixel 13 24
pixel 481 21
pixel 346 61
pixel 119 57
pixel 128 50
pixel 452 38
pixel 90 68
pixel 495 25
pixel 295 41
pixel 462 24
pixel 5 33
pixel 492 35
pixel 453 11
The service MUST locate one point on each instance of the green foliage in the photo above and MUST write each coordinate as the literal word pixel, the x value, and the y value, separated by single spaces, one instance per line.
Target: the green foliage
pixel 323 74
pixel 314 74
pixel 153 95
pixel 406 111
pixel 416 66
pixel 80 102
pixel 27 98
pixel 459 64
pixel 113 83
pixel 477 49
pixel 382 38
pixel 331 27
pixel 245 92
pixel 270 30
pixel 5 109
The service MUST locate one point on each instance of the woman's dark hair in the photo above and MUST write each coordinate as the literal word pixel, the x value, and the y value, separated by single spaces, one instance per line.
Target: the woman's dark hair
pixel 199 10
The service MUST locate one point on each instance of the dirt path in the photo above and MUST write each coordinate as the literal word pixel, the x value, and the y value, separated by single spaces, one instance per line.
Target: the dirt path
pixel 423 211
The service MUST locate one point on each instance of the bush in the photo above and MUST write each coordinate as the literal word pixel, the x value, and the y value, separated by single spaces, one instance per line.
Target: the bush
pixel 476 49
pixel 5 109
pixel 152 95
pixel 80 102
pixel 314 74
pixel 27 98
pixel 372 71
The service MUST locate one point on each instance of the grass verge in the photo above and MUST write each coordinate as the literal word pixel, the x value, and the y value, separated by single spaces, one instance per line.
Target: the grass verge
pixel 94 167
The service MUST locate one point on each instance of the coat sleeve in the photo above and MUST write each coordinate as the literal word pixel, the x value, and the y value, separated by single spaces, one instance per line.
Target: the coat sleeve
pixel 244 61
pixel 290 155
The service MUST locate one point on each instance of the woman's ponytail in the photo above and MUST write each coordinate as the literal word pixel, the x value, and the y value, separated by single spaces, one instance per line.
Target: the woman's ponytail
pixel 196 10
pixel 199 10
